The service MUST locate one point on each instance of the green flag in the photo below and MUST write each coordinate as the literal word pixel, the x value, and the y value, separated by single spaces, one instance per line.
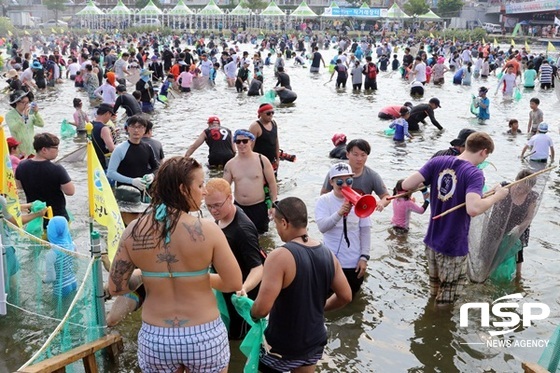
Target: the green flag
pixel 516 30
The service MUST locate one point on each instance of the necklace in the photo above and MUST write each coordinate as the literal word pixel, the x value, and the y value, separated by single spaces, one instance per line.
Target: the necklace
pixel 304 237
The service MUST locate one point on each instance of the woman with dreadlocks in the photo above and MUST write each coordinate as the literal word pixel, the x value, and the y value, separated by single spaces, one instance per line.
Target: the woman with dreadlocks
pixel 181 326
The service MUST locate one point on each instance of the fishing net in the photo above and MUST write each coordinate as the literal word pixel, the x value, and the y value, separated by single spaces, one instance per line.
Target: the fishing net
pixel 498 234
pixel 550 358
pixel 51 296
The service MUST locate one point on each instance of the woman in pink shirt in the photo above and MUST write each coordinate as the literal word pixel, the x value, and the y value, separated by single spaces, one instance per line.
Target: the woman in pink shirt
pixel 403 206
pixel 186 79
pixel 15 154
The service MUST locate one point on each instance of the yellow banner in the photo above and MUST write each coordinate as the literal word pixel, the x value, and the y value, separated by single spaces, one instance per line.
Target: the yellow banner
pixel 432 35
pixel 495 43
pixel 550 47
pixel 7 180
pixel 527 47
pixel 512 43
pixel 102 204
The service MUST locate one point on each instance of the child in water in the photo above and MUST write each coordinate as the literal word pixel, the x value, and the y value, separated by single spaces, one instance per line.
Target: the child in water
pixel 401 125
pixel 483 104
pixel 513 127
pixel 403 206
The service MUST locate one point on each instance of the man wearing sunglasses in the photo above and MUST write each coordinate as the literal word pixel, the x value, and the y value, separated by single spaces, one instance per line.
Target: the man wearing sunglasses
pixel 346 235
pixel 298 278
pixel 250 172
pixel 365 180
pixel 265 131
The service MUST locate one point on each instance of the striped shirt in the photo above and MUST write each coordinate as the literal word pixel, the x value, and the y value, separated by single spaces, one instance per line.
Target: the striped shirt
pixel 545 73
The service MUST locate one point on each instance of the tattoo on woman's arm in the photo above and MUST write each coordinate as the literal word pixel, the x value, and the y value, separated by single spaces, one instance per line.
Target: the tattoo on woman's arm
pixel 121 272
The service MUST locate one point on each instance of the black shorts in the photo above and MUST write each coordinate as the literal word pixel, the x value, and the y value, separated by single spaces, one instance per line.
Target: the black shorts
pixel 258 214
pixel 353 280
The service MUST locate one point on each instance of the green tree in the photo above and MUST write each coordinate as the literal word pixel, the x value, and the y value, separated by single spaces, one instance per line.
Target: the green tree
pixel 255 4
pixel 56 6
pixel 142 3
pixel 417 7
pixel 449 8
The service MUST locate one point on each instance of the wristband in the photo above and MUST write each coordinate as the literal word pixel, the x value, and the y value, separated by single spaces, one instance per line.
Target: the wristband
pixel 366 257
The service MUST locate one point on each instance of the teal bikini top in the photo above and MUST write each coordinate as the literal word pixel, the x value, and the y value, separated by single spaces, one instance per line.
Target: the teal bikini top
pixel 175 274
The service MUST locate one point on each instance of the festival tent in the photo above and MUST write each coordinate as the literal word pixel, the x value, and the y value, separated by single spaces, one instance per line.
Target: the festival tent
pixel 211 9
pixel 430 16
pixel 395 12
pixel 90 10
pixel 303 11
pixel 242 9
pixel 181 9
pixel 90 16
pixel 272 10
pixel 179 15
pixel 150 10
pixel 120 10
pixel 364 5
pixel 212 15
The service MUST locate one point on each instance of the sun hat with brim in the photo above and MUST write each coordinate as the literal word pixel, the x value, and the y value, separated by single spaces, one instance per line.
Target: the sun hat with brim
pixel 37 65
pixel 12 73
pixel 340 169
pixel 17 96
pixel 129 200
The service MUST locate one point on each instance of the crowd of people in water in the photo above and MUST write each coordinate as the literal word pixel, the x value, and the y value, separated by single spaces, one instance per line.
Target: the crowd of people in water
pixel 167 252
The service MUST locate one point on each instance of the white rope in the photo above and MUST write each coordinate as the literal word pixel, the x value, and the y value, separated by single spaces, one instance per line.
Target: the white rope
pixel 53 318
pixel 41 242
pixel 66 316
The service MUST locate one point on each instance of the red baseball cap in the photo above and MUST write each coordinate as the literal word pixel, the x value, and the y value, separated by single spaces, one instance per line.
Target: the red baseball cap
pixel 12 142
pixel 213 119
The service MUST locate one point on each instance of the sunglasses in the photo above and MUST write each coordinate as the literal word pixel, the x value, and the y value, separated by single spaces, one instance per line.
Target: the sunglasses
pixel 269 113
pixel 244 141
pixel 340 182
pixel 277 207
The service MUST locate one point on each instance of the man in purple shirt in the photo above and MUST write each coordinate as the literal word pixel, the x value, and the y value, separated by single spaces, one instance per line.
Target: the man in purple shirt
pixel 453 181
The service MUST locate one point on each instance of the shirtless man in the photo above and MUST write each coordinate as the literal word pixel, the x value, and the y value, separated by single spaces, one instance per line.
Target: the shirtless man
pixel 265 131
pixel 250 171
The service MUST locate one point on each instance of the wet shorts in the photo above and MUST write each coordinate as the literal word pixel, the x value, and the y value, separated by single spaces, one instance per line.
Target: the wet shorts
pixel 447 275
pixel 272 363
pixel 258 214
pixel 201 348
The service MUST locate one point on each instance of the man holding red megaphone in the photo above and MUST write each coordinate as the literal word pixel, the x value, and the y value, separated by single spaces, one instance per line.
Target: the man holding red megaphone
pixel 342 215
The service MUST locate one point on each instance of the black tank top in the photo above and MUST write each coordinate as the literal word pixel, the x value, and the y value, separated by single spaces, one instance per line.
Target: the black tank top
pixel 296 326
pixel 265 144
pixel 219 144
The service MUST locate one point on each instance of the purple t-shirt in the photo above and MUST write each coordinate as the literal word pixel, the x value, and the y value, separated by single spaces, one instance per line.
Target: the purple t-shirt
pixel 450 180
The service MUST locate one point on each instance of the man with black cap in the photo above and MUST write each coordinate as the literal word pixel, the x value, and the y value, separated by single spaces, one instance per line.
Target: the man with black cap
pixel 457 145
pixel 420 112
pixel 102 135
pixel 127 101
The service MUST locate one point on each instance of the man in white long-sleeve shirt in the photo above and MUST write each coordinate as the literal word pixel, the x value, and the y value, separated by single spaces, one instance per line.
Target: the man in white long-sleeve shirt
pixel 346 235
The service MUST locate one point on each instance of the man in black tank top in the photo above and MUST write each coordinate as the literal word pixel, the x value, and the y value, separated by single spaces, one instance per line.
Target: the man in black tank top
pixel 303 272
pixel 266 135
pixel 219 140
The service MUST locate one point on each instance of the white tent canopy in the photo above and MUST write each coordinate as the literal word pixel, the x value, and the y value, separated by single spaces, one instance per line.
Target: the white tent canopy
pixel 211 9
pixel 303 11
pixel 395 12
pixel 273 10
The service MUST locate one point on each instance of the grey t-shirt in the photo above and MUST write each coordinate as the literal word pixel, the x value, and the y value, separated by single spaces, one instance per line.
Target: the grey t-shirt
pixel 369 181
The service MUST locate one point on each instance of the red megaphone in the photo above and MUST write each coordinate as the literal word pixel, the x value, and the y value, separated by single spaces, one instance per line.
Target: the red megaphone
pixel 364 205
